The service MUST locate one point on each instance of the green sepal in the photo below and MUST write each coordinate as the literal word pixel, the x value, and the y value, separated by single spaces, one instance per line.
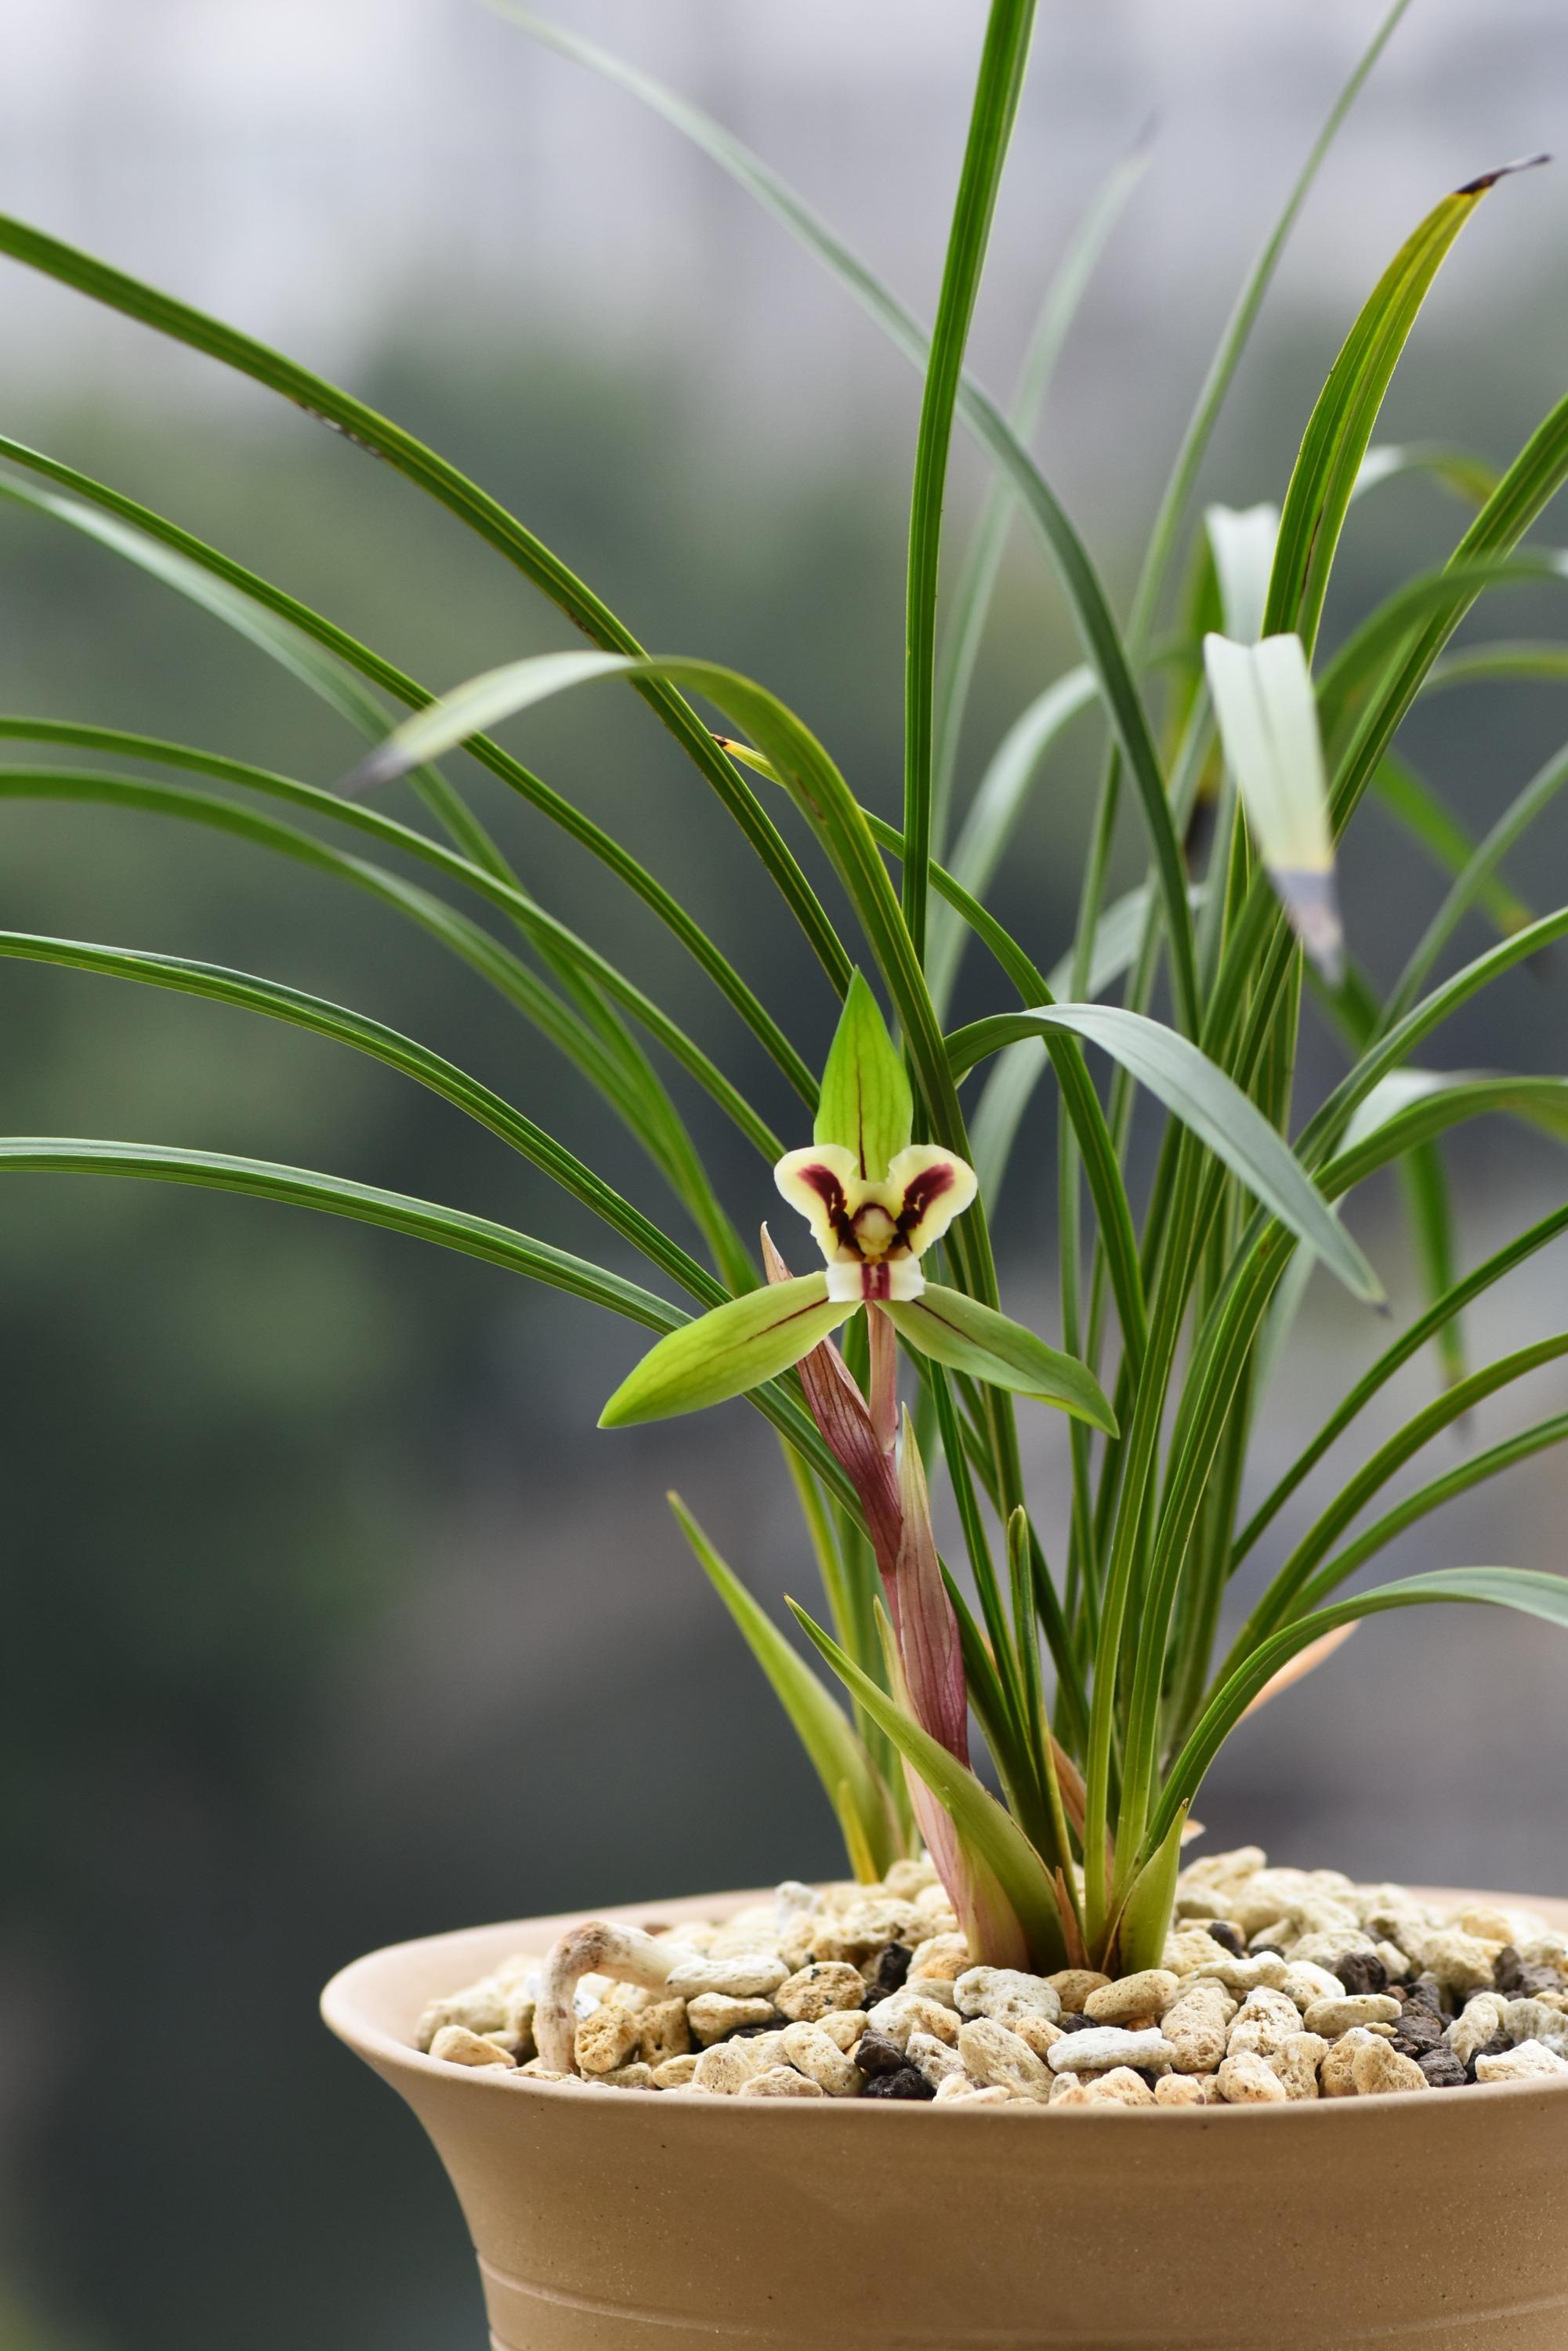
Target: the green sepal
pixel 854 1786
pixel 723 1354
pixel 969 1337
pixel 865 1106
pixel 989 1833
pixel 1145 1919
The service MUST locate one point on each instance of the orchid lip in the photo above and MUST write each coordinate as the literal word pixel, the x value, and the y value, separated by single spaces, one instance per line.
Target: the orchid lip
pixel 895 1279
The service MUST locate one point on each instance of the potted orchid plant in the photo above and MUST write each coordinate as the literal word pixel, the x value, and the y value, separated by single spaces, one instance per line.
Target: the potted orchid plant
pixel 1023 1938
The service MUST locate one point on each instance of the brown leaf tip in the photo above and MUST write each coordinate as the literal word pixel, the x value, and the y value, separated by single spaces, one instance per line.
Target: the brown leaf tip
pixel 1477 187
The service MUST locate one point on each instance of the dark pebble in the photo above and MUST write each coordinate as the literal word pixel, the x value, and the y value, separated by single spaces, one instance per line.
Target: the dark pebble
pixel 1497 2046
pixel 1361 1972
pixel 1418 2030
pixel 1264 1951
pixel 888 1972
pixel 876 2055
pixel 907 2083
pixel 1511 1975
pixel 1076 2022
pixel 1145 2075
pixel 751 2031
pixel 1442 2068
pixel 1227 1937
pixel 1428 1990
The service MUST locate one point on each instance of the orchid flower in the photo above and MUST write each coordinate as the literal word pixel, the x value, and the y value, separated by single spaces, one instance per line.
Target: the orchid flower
pixel 876 1202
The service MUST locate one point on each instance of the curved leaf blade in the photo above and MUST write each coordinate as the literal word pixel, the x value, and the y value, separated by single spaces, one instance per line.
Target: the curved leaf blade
pixel 725 1353
pixel 1199 1093
pixel 975 1339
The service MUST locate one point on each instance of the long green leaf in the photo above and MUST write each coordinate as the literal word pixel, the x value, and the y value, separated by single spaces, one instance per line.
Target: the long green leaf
pixel 1339 431
pixel 1002 61
pixel 326 660
pixel 839 1758
pixel 1541 1597
pixel 201 808
pixel 1200 1094
pixel 470 504
pixel 246 992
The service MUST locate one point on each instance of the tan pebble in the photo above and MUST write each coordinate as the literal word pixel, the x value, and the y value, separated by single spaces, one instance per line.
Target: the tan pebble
pixel 635 1997
pixel 1298 2061
pixel 747 1976
pixel 456 2045
pixel 904 2012
pixel 1545 1950
pixel 780 2082
pixel 1332 2016
pixel 1103 2046
pixel 1003 1993
pixel 1531 2060
pixel 1493 1926
pixel 942 1958
pixel 1396 1960
pixel 909 1879
pixel 1375 2069
pixel 843 2027
pixel 932 2059
pixel 1178 2090
pixel 795 1940
pixel 993 2054
pixel 1305 1983
pixel 956 2087
pixel 1480 2021
pixel 537 2070
pixel 1041 2035
pixel 1223 1868
pixel 1461 1963
pixel 725 2066
pixel 714 2015
pixel 1120 2087
pixel 481 2007
pixel 1198 2025
pixel 811 2051
pixel 850 1938
pixel 1140 1999
pixel 605 2040
pixel 807 1996
pixel 935 1904
pixel 629 2077
pixel 1337 2077
pixel 996 2093
pixel 675 2072
pixel 1266 1972
pixel 1263 2023
pixel 1066 2090
pixel 1072 1987
pixel 1536 2020
pixel 664 2031
pixel 1192 1948
pixel 1200 1905
pixel 1247 2080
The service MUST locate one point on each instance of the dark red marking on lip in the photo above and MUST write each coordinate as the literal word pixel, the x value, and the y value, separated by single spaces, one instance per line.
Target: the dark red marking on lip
pixel 831 1192
pixel 876 1280
pixel 919 1194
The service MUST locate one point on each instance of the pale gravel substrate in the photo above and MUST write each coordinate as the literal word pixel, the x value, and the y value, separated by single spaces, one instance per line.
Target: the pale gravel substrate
pixel 1277 1984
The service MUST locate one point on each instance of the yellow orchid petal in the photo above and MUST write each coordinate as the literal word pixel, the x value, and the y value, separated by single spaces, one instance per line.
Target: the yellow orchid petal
pixel 822 1184
pixel 932 1187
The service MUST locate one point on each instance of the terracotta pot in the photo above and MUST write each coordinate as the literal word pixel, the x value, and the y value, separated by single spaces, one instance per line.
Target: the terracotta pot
pixel 625 2221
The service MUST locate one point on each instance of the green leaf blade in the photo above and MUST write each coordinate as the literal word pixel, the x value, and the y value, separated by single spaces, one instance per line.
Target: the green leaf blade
pixel 969 1337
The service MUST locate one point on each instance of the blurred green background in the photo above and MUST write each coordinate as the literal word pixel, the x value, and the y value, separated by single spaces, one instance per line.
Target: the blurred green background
pixel 329 1616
